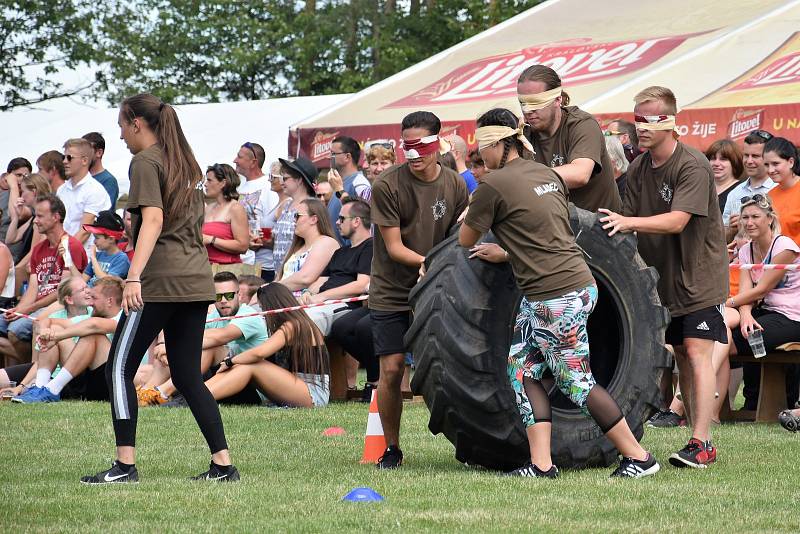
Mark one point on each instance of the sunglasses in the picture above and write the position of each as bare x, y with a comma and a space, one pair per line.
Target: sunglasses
762, 201
228, 296
70, 157
610, 133
387, 146
766, 136
298, 215
341, 218
276, 177
321, 195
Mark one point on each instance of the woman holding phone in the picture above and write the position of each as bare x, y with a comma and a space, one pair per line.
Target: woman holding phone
169, 284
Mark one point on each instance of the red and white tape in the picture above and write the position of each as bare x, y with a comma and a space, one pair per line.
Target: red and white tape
18, 314
765, 266
291, 308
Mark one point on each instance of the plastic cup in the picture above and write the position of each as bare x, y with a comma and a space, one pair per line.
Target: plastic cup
266, 234
253, 225
756, 340
6, 395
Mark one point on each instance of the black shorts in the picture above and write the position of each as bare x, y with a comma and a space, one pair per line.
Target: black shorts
17, 372
708, 323
388, 330
778, 329
90, 385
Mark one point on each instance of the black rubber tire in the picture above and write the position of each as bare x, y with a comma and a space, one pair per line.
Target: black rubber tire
464, 312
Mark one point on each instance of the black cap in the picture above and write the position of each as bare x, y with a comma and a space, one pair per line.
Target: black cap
108, 223
304, 167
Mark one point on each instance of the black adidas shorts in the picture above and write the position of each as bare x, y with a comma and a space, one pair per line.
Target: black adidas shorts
708, 323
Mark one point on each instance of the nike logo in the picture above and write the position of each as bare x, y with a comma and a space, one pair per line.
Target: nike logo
108, 478
209, 477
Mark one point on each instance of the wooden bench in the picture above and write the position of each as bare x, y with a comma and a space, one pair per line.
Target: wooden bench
772, 392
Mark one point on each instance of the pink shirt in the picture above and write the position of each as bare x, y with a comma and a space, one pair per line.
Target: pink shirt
784, 298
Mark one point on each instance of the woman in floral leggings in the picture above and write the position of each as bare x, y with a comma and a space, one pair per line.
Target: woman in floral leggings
524, 204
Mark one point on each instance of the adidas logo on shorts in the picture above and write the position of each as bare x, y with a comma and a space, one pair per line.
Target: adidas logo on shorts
702, 326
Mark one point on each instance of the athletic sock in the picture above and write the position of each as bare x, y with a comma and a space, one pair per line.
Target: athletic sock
57, 384
222, 468
42, 377
125, 467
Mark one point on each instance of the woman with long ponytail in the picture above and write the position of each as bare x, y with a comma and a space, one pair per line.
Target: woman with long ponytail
169, 284
525, 205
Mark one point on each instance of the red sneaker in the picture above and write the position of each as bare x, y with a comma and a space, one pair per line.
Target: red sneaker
695, 454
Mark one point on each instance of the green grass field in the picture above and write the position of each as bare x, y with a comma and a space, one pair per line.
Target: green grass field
293, 479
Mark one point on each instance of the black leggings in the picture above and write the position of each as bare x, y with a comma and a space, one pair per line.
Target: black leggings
183, 325
353, 331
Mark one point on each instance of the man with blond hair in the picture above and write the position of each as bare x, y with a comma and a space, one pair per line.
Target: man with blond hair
671, 202
82, 195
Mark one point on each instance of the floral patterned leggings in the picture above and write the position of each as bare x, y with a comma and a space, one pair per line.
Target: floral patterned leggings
551, 334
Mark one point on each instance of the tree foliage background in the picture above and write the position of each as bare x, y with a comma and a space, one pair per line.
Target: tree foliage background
210, 51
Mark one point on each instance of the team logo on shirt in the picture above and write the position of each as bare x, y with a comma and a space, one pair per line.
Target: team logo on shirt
666, 193
439, 209
557, 161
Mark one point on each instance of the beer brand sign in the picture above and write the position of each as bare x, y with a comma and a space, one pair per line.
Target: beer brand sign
745, 121
321, 145
576, 62
781, 71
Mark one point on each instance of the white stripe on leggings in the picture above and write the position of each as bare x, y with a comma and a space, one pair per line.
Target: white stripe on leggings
121, 354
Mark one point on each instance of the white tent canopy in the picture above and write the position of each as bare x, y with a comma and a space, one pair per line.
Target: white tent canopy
215, 131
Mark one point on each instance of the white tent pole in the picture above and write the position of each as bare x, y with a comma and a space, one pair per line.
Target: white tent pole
423, 64
639, 80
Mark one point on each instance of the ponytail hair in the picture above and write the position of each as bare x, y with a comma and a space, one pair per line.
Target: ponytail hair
181, 170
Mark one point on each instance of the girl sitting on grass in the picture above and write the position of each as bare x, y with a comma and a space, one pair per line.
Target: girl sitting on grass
290, 368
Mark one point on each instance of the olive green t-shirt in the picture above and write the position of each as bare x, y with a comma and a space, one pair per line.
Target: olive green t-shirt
178, 269
424, 212
579, 136
692, 265
525, 205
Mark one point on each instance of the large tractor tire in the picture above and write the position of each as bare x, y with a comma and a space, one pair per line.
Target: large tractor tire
464, 311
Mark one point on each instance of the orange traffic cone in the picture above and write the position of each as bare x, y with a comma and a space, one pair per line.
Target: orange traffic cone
374, 442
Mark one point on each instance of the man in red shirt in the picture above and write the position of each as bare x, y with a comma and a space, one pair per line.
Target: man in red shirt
49, 263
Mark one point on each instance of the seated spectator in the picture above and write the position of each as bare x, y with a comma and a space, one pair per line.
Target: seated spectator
17, 169
47, 266
23, 195
81, 348
616, 153
314, 244
248, 287
290, 369
99, 173
221, 338
783, 167
768, 300
459, 152
476, 165
83, 196
726, 161
347, 272
73, 303
225, 230
105, 257
7, 293
299, 178
51, 166
379, 157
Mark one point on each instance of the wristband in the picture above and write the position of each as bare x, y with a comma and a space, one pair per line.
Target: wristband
228, 362
213, 239
340, 192
133, 281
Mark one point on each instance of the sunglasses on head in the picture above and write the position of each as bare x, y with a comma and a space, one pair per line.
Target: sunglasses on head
218, 171
387, 146
228, 296
762, 201
251, 147
766, 136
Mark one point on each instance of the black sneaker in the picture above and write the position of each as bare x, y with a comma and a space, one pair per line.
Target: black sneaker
367, 395
668, 419
695, 454
530, 470
630, 468
216, 474
392, 458
176, 401
115, 475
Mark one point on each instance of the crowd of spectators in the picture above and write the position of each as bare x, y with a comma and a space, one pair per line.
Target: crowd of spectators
65, 249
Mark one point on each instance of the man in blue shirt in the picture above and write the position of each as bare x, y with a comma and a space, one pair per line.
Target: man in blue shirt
459, 150
105, 257
345, 178
99, 173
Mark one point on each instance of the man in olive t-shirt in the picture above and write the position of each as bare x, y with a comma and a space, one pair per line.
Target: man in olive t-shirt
414, 205
567, 139
671, 201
